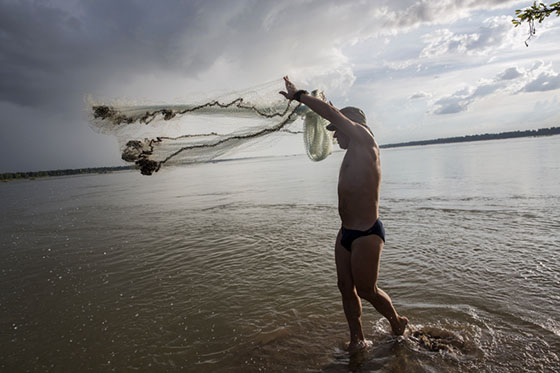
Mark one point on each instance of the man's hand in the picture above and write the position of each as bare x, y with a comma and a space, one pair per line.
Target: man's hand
290, 88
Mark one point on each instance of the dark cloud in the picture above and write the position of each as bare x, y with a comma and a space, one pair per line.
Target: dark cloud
48, 52
54, 52
51, 49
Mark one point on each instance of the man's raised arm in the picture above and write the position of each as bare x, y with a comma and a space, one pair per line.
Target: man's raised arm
324, 109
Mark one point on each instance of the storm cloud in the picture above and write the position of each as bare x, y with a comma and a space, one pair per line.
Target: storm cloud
55, 52
53, 49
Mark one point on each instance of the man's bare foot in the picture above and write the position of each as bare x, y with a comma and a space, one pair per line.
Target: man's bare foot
359, 346
399, 328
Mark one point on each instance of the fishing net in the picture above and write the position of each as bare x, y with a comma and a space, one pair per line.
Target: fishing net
152, 136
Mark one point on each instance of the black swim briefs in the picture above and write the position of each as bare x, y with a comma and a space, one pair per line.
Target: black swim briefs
349, 235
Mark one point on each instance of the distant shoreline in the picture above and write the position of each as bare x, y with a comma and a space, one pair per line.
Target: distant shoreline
447, 140
487, 136
66, 172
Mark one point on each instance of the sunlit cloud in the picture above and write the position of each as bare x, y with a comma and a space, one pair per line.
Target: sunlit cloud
496, 33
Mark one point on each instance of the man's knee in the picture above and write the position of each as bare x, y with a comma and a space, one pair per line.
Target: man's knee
367, 292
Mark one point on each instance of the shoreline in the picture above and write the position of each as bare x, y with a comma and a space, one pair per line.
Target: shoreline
541, 132
482, 137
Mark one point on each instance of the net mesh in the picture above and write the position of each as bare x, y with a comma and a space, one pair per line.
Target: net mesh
152, 136
317, 139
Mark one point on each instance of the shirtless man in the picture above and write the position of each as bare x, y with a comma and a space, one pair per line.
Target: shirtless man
362, 236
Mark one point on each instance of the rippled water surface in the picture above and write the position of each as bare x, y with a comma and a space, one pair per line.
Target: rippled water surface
230, 266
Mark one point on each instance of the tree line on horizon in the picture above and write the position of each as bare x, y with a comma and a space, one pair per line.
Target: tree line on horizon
487, 136
71, 171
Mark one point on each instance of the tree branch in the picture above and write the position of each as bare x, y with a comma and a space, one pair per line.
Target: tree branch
535, 13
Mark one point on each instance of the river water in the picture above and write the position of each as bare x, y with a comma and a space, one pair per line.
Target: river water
229, 266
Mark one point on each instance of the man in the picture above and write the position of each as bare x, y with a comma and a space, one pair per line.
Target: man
362, 236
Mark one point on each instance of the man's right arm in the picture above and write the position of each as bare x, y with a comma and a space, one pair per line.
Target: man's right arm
327, 111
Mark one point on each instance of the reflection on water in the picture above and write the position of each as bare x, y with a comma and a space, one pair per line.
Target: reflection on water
229, 266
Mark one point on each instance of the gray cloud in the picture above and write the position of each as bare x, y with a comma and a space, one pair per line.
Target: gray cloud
462, 99
451, 106
49, 53
419, 95
51, 49
509, 74
545, 81
407, 14
537, 78
455, 103
54, 52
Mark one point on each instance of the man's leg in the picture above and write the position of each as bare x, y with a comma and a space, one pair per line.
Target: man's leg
350, 300
366, 254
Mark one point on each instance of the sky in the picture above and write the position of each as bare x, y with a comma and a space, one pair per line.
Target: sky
419, 69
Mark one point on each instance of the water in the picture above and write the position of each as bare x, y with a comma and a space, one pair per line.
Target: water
230, 266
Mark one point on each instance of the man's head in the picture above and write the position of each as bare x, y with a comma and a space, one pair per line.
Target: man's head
355, 115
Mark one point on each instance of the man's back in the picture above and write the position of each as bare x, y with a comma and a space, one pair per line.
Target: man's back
358, 185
